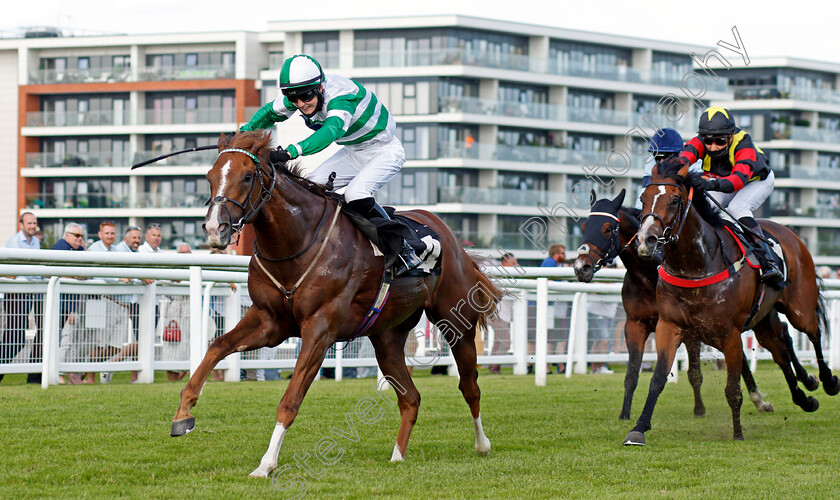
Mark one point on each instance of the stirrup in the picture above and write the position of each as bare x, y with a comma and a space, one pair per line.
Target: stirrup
771, 275
408, 259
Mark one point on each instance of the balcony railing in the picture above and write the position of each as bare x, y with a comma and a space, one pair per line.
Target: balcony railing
809, 172
179, 116
98, 75
172, 200
96, 200
774, 92
532, 110
499, 196
184, 72
532, 154
120, 160
514, 62
815, 135
77, 118
51, 160
187, 116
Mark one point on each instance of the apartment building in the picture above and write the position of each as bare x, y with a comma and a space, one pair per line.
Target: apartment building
507, 126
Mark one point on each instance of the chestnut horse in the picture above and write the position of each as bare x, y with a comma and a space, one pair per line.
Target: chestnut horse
610, 232
314, 276
729, 299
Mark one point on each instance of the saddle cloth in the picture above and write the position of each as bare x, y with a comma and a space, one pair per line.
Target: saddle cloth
387, 237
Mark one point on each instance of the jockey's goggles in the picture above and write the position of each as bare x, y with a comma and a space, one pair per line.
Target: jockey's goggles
719, 140
295, 95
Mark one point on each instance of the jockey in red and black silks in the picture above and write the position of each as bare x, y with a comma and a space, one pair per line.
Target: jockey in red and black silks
736, 174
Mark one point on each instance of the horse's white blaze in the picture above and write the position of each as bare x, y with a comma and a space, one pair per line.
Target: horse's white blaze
224, 180
646, 225
269, 460
397, 456
482, 444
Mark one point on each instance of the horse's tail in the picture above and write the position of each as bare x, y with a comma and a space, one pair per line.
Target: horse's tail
488, 295
822, 308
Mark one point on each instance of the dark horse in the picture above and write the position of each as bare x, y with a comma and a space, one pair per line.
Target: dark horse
729, 299
610, 232
314, 276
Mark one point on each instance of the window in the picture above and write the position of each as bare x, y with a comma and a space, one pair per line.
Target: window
191, 60
83, 63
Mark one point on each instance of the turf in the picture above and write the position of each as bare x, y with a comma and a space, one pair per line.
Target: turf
562, 440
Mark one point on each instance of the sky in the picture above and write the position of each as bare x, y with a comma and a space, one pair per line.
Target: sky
806, 29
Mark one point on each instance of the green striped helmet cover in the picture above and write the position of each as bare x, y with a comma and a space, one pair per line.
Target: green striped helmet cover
300, 71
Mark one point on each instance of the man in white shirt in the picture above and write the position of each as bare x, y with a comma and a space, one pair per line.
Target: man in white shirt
18, 305
107, 235
153, 239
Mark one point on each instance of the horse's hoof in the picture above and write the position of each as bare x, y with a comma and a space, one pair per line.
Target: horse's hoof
181, 427
635, 438
738, 438
766, 408
811, 383
624, 417
832, 387
700, 413
261, 471
811, 404
483, 447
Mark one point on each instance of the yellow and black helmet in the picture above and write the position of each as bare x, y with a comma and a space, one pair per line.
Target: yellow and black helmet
716, 121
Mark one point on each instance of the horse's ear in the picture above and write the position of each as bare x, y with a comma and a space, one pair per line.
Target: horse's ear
224, 140
592, 197
619, 200
683, 172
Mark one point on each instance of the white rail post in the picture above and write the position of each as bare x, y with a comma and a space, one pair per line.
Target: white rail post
578, 335
339, 361
834, 327
146, 334
197, 349
233, 313
541, 341
519, 331
50, 334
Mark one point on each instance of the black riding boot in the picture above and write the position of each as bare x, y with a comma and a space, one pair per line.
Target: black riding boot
770, 272
368, 207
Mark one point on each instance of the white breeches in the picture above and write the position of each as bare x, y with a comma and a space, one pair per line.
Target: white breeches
742, 203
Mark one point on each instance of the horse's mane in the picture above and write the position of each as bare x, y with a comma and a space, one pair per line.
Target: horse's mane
700, 202
632, 212
250, 141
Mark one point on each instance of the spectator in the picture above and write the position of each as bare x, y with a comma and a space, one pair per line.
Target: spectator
217, 313
153, 239
501, 322
601, 317
119, 311
73, 240
107, 236
19, 305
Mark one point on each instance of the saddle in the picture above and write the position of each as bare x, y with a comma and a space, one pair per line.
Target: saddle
746, 245
387, 236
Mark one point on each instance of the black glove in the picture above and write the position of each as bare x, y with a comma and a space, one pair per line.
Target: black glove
279, 155
674, 163
700, 183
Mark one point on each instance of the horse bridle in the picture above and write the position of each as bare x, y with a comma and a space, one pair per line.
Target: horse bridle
671, 233
608, 256
248, 214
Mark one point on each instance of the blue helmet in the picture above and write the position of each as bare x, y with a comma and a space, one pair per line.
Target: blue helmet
666, 140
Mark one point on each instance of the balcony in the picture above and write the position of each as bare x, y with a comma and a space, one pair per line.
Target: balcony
77, 118
489, 107
119, 160
180, 116
116, 200
172, 200
815, 135
96, 200
99, 75
773, 92
810, 173
499, 196
206, 72
515, 62
529, 154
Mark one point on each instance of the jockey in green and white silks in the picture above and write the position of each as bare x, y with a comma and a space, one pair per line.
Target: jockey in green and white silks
343, 111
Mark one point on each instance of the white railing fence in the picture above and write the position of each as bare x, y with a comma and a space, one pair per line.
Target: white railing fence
120, 323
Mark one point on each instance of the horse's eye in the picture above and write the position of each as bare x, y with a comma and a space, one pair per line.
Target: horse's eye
674, 201
248, 177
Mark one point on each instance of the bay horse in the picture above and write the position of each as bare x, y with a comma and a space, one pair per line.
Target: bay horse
609, 232
314, 276
715, 296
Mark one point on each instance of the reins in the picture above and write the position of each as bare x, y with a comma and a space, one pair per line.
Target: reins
669, 232
265, 192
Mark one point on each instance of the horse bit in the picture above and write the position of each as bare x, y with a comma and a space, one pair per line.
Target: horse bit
606, 258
